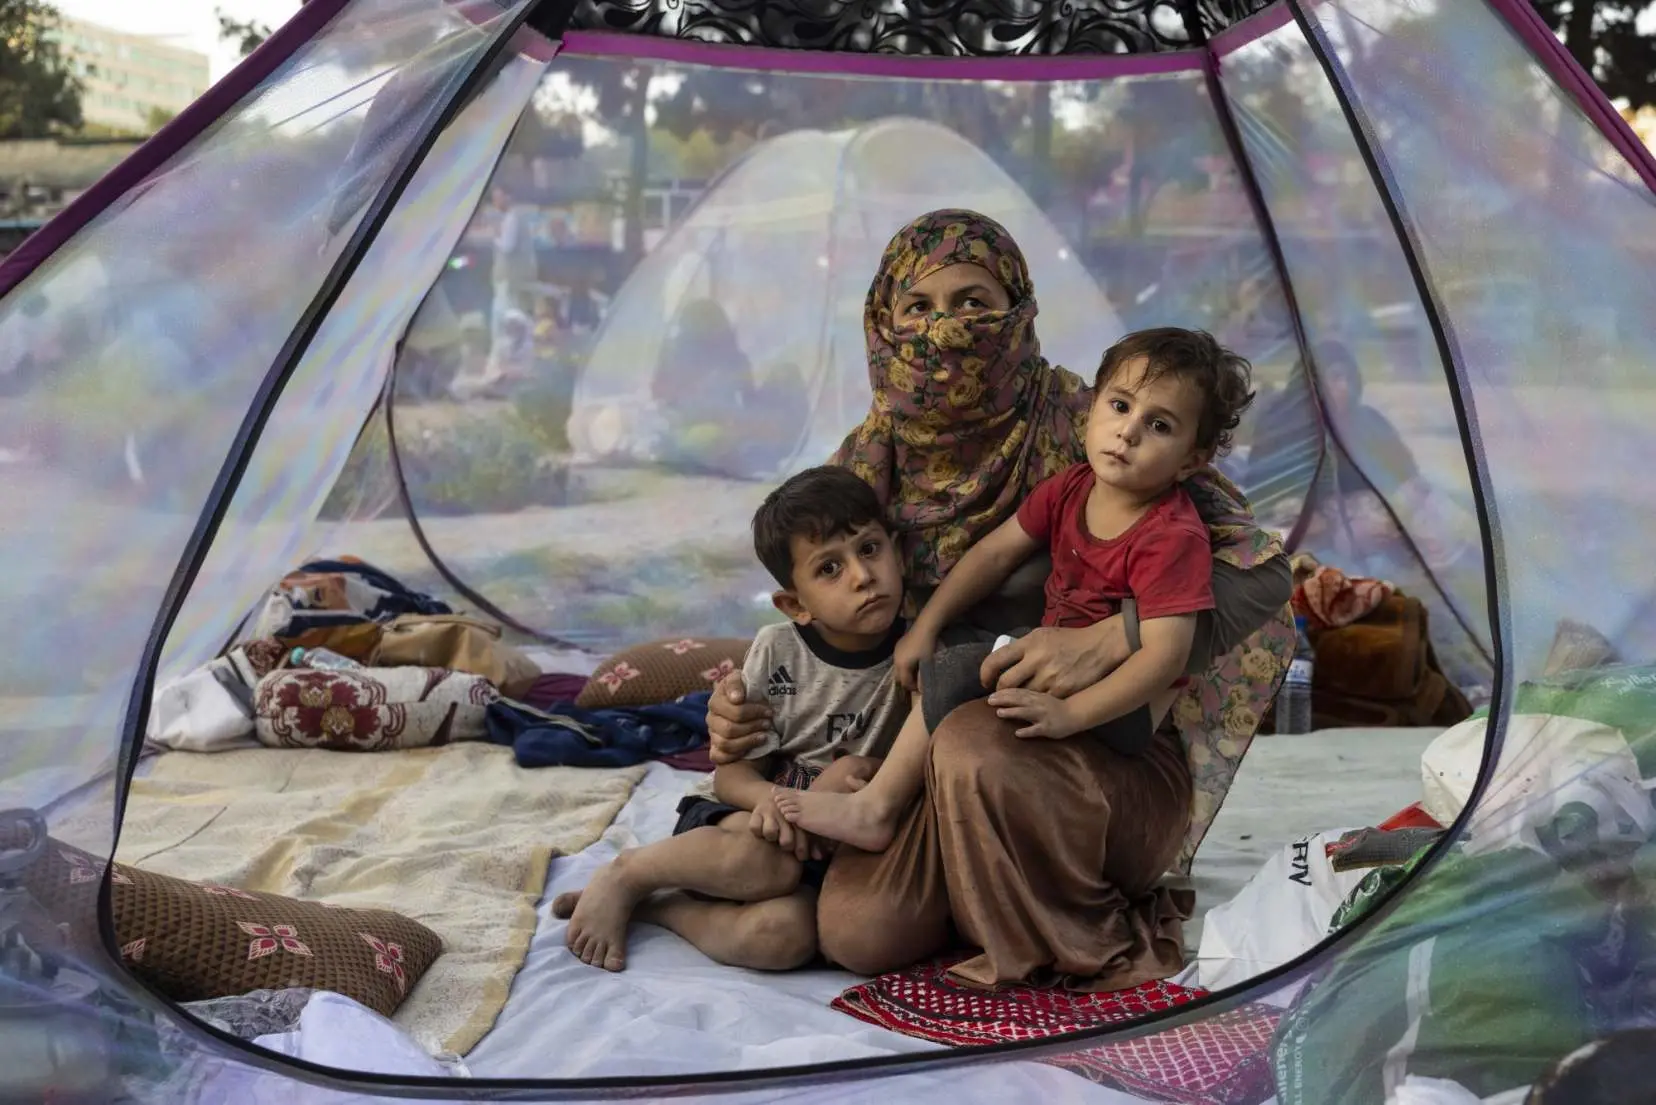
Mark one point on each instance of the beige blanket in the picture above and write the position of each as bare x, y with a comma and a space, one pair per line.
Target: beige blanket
458, 838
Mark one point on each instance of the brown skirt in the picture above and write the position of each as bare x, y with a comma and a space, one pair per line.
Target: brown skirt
1044, 854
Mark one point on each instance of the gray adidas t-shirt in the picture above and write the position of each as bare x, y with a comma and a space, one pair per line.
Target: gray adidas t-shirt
825, 703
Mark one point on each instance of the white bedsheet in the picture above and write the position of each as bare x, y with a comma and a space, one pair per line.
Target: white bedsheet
673, 1011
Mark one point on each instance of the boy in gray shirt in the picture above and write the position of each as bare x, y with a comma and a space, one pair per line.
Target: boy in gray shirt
748, 877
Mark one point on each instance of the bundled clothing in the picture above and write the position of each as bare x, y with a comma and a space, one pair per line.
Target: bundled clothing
564, 735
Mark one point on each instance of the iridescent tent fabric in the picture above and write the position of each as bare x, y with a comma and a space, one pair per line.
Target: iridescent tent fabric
1420, 220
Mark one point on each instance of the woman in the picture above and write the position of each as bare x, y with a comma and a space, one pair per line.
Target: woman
1045, 855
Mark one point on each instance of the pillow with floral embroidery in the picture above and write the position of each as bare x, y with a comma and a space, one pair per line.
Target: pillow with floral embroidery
661, 671
369, 709
195, 941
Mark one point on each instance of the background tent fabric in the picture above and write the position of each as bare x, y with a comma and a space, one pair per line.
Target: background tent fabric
1431, 187
800, 219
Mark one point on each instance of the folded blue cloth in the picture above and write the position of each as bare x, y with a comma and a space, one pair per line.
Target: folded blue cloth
564, 735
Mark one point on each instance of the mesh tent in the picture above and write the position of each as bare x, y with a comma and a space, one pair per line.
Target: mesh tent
799, 215
205, 368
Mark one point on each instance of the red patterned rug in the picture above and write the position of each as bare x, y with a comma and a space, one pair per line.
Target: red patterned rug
1221, 1060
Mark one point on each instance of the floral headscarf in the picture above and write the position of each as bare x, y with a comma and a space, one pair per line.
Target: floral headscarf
968, 416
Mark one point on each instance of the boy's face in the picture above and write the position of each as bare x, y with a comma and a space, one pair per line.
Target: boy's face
1141, 437
848, 586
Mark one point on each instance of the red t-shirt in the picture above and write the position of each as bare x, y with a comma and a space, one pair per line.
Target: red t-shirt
1164, 560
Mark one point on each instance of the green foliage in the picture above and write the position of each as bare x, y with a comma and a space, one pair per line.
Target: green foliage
480, 463
1605, 38
39, 96
247, 34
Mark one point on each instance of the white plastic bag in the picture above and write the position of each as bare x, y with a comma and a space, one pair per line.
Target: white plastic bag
199, 712
1547, 763
1283, 911
1416, 1090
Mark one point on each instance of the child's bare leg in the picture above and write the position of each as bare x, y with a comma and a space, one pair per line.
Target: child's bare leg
724, 860
777, 934
868, 818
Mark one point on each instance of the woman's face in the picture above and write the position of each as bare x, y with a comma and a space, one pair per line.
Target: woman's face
957, 290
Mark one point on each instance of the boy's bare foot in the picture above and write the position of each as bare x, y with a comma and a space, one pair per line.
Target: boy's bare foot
852, 819
598, 916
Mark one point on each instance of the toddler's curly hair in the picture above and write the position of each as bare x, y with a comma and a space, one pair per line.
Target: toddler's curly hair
1223, 377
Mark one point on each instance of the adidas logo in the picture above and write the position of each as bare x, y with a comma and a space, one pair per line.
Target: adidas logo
781, 682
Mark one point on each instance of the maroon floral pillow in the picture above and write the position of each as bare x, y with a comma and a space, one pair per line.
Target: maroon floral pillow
371, 709
660, 671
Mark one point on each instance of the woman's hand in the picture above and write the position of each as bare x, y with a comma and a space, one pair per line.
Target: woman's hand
916, 646
1042, 714
735, 726
1057, 662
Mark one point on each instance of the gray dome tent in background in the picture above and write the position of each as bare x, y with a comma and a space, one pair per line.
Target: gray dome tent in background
1422, 223
804, 215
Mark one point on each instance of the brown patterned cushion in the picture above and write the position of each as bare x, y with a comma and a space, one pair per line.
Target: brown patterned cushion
369, 709
660, 671
194, 941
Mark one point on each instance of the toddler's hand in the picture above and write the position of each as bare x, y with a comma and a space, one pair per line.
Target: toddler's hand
1048, 717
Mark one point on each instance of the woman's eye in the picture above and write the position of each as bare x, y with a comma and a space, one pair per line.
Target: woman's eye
918, 307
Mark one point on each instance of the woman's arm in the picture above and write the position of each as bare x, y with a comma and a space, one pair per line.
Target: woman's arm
1251, 577
1058, 661
985, 567
735, 726
1243, 601
1146, 674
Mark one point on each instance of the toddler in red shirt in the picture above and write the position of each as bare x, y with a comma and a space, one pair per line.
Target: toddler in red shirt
1118, 526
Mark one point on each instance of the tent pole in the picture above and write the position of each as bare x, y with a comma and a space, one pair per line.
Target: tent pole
444, 109
1466, 417
1279, 261
1330, 433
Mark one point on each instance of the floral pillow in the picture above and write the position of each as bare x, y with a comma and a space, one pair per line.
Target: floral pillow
370, 709
661, 671
194, 941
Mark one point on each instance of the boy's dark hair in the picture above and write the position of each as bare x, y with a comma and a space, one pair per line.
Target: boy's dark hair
817, 504
1193, 355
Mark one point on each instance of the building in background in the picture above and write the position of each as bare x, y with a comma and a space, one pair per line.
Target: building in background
130, 83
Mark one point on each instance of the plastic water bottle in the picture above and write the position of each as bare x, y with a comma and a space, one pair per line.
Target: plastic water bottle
322, 659
1293, 702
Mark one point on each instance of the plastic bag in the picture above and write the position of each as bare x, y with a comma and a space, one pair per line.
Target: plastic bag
1551, 767
1283, 911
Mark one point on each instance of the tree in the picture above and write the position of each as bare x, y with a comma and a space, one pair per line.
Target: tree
38, 94
1604, 38
159, 117
247, 34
